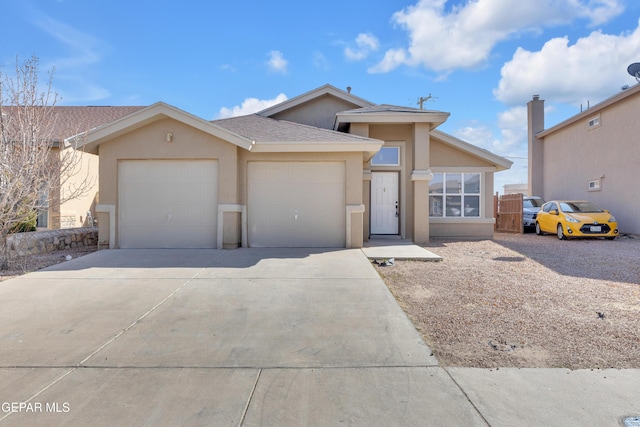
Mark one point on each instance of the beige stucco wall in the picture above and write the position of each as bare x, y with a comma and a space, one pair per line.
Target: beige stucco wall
78, 186
421, 163
535, 161
73, 213
575, 154
150, 142
445, 155
462, 230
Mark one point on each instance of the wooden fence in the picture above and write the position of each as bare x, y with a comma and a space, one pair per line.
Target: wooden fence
508, 211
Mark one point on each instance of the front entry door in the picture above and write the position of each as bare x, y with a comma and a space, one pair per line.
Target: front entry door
385, 212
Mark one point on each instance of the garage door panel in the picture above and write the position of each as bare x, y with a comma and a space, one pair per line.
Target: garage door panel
167, 203
298, 204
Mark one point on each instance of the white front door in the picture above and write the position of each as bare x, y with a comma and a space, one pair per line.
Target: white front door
384, 203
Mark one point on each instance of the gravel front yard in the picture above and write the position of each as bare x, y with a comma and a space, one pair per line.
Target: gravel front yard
29, 263
526, 301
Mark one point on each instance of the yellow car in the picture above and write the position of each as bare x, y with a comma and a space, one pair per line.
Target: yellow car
575, 219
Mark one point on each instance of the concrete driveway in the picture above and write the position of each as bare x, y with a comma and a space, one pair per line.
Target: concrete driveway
208, 337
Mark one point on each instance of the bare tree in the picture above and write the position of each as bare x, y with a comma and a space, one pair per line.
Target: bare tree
34, 166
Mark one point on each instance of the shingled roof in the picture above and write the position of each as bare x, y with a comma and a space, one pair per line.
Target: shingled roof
263, 129
69, 121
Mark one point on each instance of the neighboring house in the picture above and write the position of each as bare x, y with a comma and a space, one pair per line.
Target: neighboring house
72, 121
591, 156
324, 169
515, 189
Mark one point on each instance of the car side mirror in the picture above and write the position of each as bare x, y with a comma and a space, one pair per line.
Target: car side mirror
553, 212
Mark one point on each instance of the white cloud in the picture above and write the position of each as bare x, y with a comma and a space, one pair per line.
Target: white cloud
512, 124
83, 53
320, 61
83, 48
600, 11
366, 43
513, 130
276, 62
250, 106
511, 144
391, 60
228, 67
592, 69
480, 136
465, 35
81, 91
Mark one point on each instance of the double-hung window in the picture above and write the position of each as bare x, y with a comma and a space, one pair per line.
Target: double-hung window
454, 195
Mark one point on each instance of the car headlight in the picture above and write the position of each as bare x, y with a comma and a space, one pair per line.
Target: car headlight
569, 218
612, 218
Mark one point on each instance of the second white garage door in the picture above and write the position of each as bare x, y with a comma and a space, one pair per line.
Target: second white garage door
167, 203
296, 204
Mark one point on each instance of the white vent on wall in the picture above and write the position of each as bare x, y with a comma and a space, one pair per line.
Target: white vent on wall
594, 185
594, 122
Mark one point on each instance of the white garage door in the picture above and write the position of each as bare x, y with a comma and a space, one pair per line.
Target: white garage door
167, 203
296, 204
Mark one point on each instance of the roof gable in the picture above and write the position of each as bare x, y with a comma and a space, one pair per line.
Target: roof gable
499, 162
93, 138
312, 95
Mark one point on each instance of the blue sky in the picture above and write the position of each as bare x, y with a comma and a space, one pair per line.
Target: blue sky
481, 60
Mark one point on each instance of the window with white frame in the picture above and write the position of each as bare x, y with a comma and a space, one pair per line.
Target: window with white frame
387, 156
454, 195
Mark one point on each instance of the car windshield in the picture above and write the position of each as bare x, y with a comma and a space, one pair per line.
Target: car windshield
532, 203
579, 207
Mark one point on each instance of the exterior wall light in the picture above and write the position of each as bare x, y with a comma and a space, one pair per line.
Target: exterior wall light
169, 137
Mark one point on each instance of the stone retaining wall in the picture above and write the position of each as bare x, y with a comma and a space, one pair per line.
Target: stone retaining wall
38, 242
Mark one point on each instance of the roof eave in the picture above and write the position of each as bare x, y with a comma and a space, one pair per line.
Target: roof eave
591, 111
434, 118
499, 162
371, 145
153, 113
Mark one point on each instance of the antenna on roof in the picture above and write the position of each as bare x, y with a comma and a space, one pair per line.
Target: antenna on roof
634, 70
424, 99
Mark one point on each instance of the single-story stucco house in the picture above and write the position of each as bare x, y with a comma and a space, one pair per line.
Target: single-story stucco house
324, 169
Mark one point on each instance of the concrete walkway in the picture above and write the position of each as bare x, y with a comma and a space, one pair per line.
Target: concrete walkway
255, 337
384, 248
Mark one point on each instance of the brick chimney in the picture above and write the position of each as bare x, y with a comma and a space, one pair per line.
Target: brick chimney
535, 124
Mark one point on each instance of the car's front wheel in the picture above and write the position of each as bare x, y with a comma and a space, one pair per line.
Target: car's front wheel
610, 237
538, 229
561, 235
